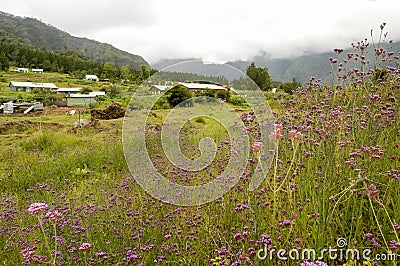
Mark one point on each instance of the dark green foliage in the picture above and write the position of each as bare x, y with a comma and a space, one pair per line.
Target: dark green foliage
86, 90
237, 100
223, 94
289, 87
208, 93
200, 120
20, 54
178, 94
260, 76
162, 103
114, 91
4, 64
379, 74
109, 71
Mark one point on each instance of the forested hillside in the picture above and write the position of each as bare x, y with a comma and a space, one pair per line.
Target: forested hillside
41, 35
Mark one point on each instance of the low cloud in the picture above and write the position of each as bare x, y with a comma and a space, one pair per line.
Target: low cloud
216, 30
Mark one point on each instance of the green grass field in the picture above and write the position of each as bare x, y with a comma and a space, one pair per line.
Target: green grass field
335, 176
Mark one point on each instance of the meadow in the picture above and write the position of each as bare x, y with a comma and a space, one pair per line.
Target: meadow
68, 197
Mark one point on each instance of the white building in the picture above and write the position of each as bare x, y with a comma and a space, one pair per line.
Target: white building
37, 70
158, 89
92, 77
80, 99
22, 69
30, 86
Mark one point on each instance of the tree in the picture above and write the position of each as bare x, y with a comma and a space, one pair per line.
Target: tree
289, 87
178, 94
4, 64
110, 70
125, 72
146, 72
114, 91
223, 94
208, 93
260, 76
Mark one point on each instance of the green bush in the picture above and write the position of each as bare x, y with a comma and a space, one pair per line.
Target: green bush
236, 100
223, 94
162, 103
200, 120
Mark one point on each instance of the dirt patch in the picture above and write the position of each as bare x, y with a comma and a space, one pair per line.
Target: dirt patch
49, 110
22, 126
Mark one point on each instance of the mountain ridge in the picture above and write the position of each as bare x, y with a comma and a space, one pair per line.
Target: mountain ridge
42, 35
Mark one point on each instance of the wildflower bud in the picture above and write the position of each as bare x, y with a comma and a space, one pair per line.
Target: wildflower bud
257, 146
85, 246
37, 208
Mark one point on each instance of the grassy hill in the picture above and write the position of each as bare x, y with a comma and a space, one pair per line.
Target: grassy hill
41, 35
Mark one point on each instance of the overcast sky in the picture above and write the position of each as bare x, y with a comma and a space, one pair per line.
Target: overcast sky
216, 30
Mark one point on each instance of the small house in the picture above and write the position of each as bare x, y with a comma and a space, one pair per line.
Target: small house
80, 99
158, 89
92, 77
37, 70
22, 69
31, 86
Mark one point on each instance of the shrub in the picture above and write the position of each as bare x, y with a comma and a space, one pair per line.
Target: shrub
200, 120
223, 94
237, 100
162, 103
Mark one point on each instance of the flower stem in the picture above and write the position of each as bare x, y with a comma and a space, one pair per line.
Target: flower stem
44, 236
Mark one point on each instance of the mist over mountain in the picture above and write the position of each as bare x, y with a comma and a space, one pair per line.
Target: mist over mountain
42, 35
301, 68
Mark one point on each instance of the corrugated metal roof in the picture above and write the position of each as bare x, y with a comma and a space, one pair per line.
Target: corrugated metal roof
81, 96
33, 85
161, 87
199, 86
69, 89
97, 93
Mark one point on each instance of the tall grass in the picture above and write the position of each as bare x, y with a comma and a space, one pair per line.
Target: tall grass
338, 179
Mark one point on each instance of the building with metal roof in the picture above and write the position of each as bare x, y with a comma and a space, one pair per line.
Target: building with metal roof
30, 86
70, 90
158, 89
201, 86
80, 99
92, 77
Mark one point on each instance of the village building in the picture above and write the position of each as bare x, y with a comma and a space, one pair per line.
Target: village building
92, 77
158, 89
81, 99
31, 86
37, 70
198, 87
22, 69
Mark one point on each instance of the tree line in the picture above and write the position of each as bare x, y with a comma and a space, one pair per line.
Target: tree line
66, 61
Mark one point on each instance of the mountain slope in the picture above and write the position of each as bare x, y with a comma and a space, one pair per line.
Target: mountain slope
42, 35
